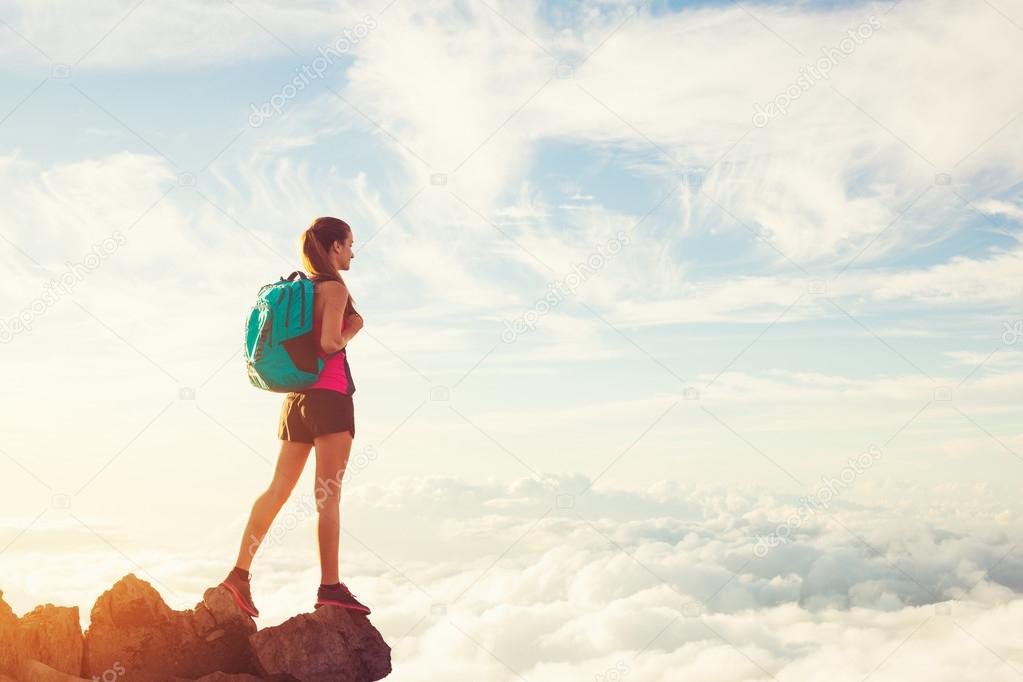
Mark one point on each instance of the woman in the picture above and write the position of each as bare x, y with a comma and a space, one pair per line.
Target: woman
320, 416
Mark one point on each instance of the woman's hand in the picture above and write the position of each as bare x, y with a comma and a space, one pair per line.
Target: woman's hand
353, 323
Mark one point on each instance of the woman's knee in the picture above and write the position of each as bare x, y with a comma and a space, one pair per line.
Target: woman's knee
328, 505
277, 494
328, 492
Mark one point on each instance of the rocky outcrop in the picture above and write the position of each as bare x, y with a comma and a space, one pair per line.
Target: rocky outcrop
52, 635
44, 644
349, 651
40, 672
132, 627
8, 638
134, 635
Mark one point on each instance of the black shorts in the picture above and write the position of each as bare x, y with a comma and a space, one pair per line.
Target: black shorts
315, 412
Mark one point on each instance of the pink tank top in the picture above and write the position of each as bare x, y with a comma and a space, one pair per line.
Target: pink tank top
336, 374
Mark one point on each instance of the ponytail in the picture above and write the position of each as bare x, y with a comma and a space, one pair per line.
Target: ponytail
315, 242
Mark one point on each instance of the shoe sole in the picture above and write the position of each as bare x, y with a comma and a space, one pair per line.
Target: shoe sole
238, 600
325, 602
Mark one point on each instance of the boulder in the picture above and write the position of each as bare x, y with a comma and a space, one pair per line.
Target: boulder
52, 635
132, 627
35, 671
348, 648
8, 639
235, 677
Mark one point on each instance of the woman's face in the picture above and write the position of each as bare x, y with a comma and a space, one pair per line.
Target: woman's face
343, 252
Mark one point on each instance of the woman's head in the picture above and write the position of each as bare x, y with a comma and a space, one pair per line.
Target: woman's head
327, 247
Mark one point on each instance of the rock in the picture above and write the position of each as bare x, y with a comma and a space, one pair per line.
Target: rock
8, 639
133, 627
44, 644
133, 635
348, 648
35, 671
52, 635
240, 677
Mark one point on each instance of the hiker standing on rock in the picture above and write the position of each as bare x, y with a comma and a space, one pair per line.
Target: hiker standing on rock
321, 415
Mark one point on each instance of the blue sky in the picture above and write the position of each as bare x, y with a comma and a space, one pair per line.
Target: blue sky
790, 294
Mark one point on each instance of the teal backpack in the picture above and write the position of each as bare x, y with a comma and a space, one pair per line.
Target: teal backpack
280, 351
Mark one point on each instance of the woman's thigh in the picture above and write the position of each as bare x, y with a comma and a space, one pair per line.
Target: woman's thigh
290, 463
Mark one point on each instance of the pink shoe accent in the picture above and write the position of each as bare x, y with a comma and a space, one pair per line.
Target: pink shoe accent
322, 602
238, 600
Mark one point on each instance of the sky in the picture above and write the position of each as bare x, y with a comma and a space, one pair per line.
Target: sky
692, 333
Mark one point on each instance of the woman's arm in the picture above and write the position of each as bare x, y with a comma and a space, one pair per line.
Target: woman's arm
353, 322
335, 300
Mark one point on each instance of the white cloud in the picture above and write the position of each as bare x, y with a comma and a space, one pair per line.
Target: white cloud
820, 197
960, 281
115, 36
582, 594
995, 207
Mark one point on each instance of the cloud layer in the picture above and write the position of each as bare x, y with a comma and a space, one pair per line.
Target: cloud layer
483, 579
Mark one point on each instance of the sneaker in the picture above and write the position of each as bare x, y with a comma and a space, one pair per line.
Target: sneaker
239, 589
339, 596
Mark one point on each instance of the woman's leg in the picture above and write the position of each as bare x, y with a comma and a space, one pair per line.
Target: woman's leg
290, 463
332, 452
